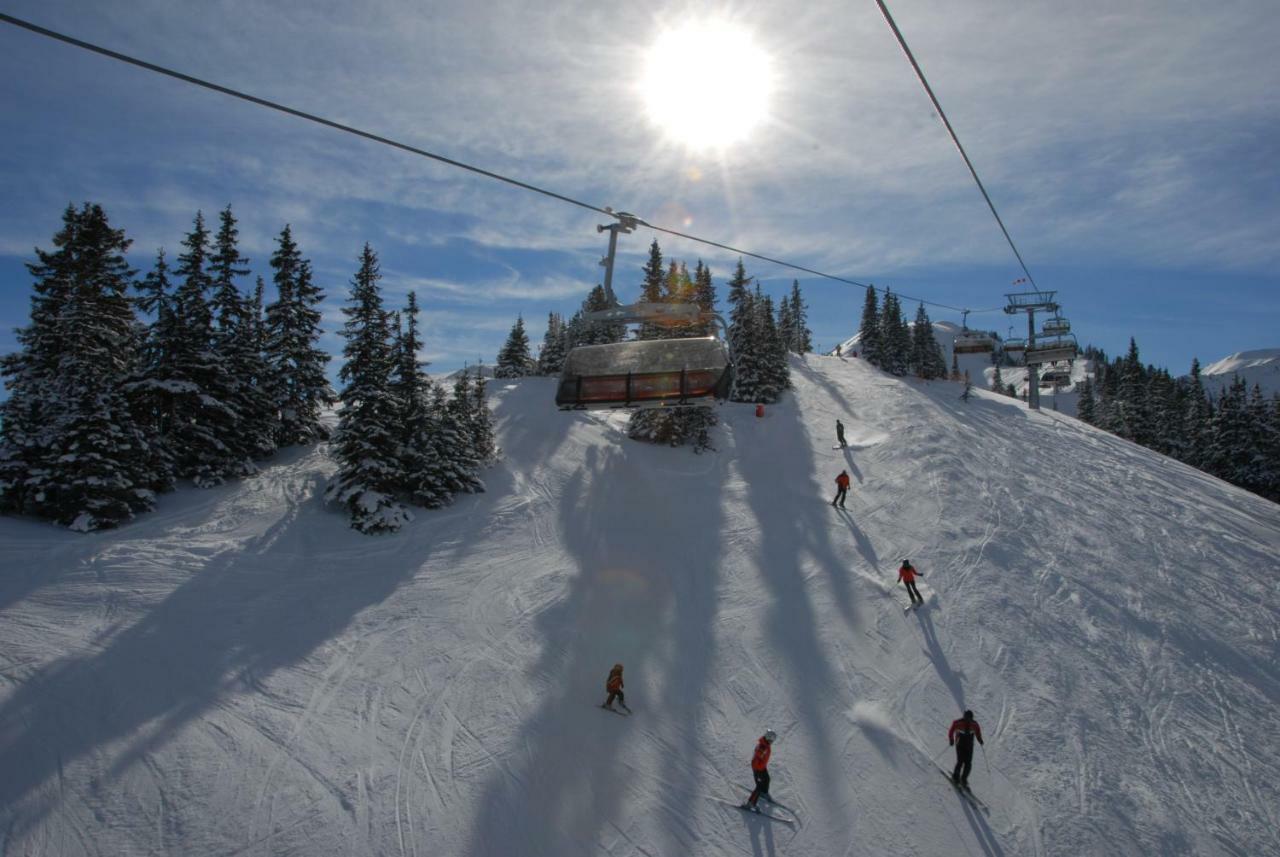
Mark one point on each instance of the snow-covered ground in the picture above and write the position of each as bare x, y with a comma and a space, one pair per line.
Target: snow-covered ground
239, 673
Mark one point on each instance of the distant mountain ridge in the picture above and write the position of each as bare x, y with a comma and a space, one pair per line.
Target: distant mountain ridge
1261, 367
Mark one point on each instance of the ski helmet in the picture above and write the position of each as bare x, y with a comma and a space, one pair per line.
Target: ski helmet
968, 715
769, 735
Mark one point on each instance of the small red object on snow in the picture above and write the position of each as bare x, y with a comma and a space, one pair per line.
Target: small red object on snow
760, 410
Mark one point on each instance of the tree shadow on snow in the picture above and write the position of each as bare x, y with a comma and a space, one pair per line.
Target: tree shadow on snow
244, 612
645, 544
794, 526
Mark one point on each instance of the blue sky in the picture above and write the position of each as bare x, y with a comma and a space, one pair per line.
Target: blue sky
1133, 151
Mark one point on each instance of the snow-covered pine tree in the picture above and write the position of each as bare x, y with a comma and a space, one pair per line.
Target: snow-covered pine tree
997, 382
1228, 453
1262, 469
202, 431
514, 359
1133, 409
551, 354
148, 387
1195, 420
869, 345
461, 459
236, 342
744, 338
704, 295
1084, 401
775, 374
417, 422
926, 355
366, 445
483, 440
801, 341
786, 326
895, 336
651, 289
299, 386
79, 456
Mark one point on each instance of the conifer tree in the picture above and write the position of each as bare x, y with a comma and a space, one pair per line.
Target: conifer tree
1195, 420
1084, 401
869, 331
704, 295
483, 440
237, 341
423, 480
801, 341
1228, 453
514, 359
366, 445
926, 356
997, 382
895, 337
299, 387
651, 289
70, 449
551, 354
202, 432
786, 325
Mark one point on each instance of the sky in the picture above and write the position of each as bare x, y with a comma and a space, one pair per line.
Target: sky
1132, 153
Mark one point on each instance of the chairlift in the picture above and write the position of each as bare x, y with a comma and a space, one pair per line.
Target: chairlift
1055, 376
1015, 346
973, 341
654, 373
1056, 325
1051, 349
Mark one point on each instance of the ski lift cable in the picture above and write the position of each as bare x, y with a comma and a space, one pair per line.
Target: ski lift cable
954, 137
386, 141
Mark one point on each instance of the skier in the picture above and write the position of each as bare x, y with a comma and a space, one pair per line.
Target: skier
614, 685
842, 488
840, 434
837, 349
907, 575
760, 770
963, 731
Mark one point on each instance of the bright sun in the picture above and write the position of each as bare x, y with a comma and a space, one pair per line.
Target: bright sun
707, 84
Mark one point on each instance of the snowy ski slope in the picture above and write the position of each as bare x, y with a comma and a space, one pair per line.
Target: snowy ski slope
239, 673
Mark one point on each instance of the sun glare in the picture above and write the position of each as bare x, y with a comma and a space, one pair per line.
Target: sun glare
707, 84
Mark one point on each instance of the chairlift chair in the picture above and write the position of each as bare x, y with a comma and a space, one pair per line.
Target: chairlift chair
974, 342
1015, 346
1056, 325
654, 373
1051, 349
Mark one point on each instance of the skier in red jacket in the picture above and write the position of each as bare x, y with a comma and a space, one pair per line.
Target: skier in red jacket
907, 575
842, 488
614, 686
760, 770
961, 736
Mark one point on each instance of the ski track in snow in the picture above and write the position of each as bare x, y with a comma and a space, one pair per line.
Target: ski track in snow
239, 673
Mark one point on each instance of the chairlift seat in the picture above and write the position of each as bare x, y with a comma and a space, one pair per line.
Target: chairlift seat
657, 373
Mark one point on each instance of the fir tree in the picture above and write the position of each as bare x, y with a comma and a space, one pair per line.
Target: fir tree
800, 338
365, 444
651, 289
551, 354
1195, 420
69, 446
514, 359
704, 295
1084, 402
869, 330
997, 382
926, 356
418, 422
299, 387
895, 337
483, 440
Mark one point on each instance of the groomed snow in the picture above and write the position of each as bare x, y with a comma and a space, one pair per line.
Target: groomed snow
240, 673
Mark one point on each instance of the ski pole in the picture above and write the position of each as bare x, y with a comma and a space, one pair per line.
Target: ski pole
984, 759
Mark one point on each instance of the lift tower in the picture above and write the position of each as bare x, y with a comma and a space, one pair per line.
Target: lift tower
1029, 302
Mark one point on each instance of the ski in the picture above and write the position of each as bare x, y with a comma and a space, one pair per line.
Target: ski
773, 802
759, 812
964, 790
626, 713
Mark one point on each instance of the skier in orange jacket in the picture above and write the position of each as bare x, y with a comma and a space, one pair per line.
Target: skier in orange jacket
760, 770
614, 686
842, 488
907, 575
